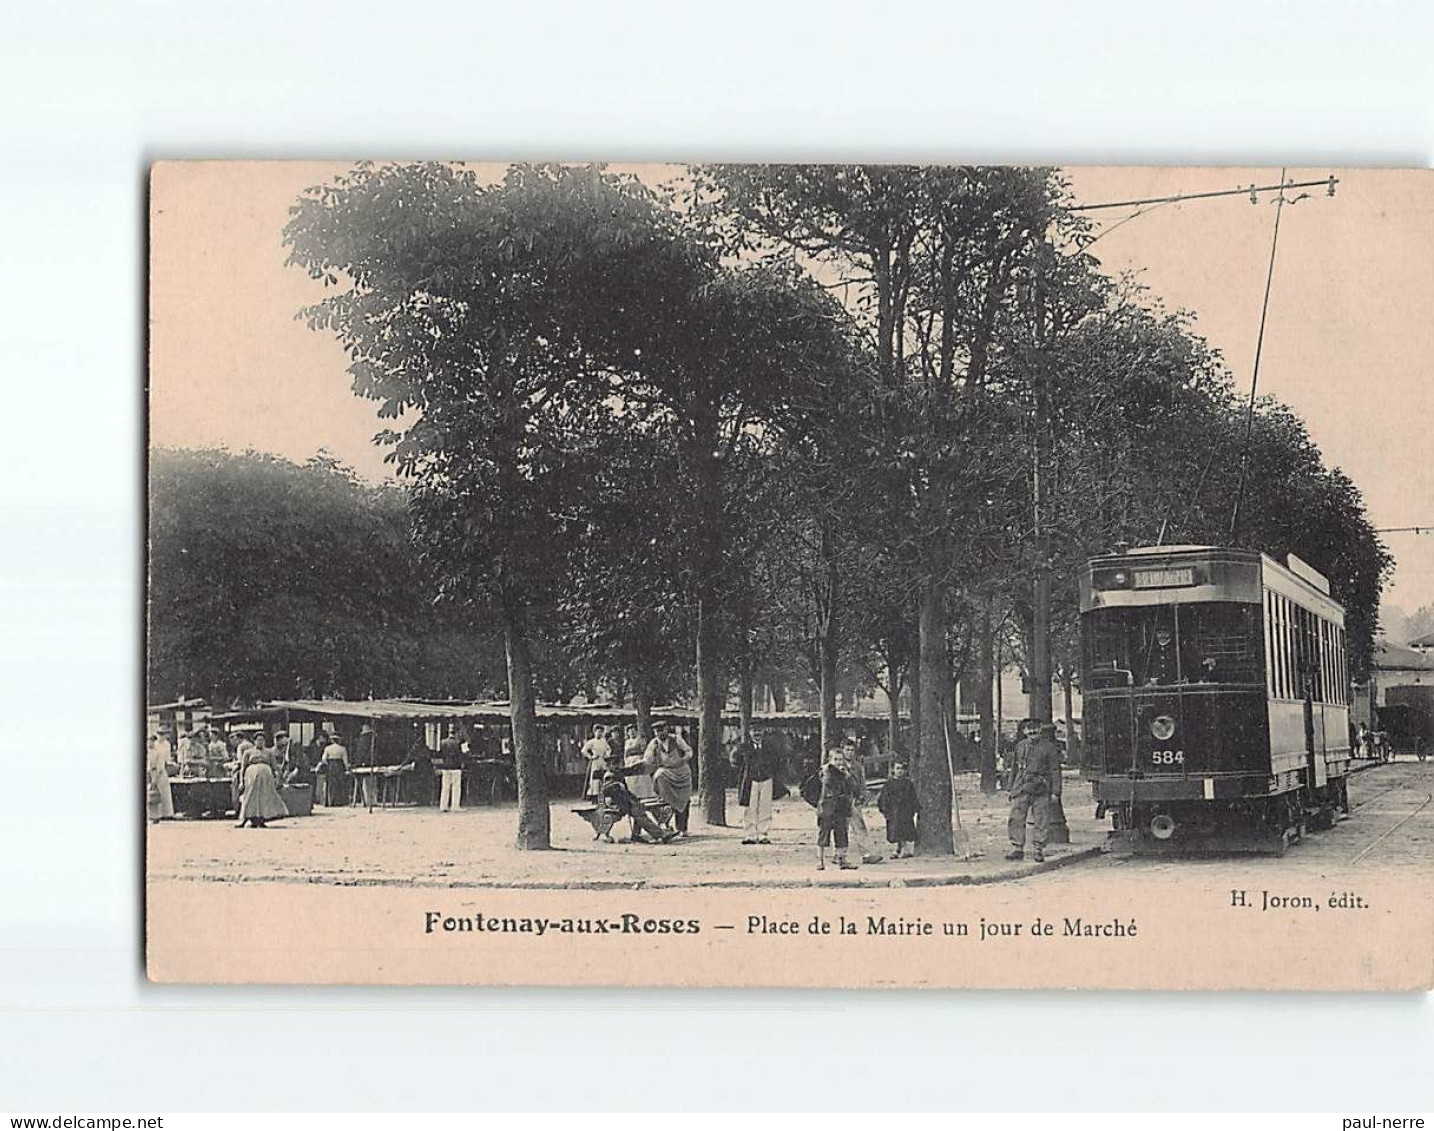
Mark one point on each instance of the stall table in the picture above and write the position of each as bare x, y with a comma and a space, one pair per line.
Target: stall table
201, 797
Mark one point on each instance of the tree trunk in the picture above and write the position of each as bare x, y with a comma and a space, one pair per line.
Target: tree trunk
933, 777
711, 690
827, 640
779, 694
998, 669
830, 733
893, 706
711, 698
745, 695
914, 681
642, 706
985, 676
533, 815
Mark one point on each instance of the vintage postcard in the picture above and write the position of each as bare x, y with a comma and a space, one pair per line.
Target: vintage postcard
790, 575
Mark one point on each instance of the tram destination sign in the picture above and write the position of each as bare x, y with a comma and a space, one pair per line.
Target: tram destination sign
1164, 578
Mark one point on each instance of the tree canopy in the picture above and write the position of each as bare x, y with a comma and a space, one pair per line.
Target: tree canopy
813, 424
270, 579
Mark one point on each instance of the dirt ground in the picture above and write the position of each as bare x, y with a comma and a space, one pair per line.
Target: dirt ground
351, 896
474, 848
408, 846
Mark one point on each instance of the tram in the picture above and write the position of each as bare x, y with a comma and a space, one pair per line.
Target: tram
1216, 697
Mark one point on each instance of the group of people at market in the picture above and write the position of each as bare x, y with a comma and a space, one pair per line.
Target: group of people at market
650, 784
255, 764
630, 779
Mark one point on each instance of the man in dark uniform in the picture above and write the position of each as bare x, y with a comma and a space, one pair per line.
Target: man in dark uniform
757, 766
622, 801
1035, 766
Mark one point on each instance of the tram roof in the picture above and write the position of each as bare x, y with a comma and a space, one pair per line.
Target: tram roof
1297, 580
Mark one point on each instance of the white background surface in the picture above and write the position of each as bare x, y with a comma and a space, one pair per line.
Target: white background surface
89, 93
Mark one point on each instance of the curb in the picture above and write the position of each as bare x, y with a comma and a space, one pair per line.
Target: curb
1005, 875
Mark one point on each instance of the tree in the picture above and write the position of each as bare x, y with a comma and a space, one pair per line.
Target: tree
270, 580
625, 607
488, 318
722, 380
932, 254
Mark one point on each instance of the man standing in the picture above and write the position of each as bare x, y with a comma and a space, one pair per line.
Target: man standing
298, 770
756, 791
671, 758
634, 766
833, 812
450, 763
1035, 766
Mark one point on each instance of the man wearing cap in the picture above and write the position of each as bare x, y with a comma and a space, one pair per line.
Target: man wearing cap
1035, 767
671, 759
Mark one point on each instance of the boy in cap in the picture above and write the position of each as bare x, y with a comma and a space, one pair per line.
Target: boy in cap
833, 813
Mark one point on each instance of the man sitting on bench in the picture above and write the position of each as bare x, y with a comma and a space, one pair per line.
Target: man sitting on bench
620, 799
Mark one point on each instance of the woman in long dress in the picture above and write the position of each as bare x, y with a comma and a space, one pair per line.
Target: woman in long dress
160, 797
260, 801
597, 751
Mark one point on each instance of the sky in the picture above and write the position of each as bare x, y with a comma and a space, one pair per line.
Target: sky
1348, 340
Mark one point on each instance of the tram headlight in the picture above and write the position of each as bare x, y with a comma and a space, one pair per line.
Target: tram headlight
1162, 727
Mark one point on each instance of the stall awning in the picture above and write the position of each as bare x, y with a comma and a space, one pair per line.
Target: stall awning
496, 711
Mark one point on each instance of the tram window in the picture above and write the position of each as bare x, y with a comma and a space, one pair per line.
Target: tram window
1317, 657
1324, 680
1277, 643
1316, 660
1343, 668
1297, 667
1337, 646
1278, 628
1334, 684
1269, 644
1217, 643
1283, 610
1162, 653
1304, 667
1282, 686
1302, 651
1162, 645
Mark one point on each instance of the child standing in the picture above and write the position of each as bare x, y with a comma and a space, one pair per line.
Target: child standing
898, 804
833, 813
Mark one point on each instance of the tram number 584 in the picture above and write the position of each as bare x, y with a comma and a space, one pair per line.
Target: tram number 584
1168, 757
